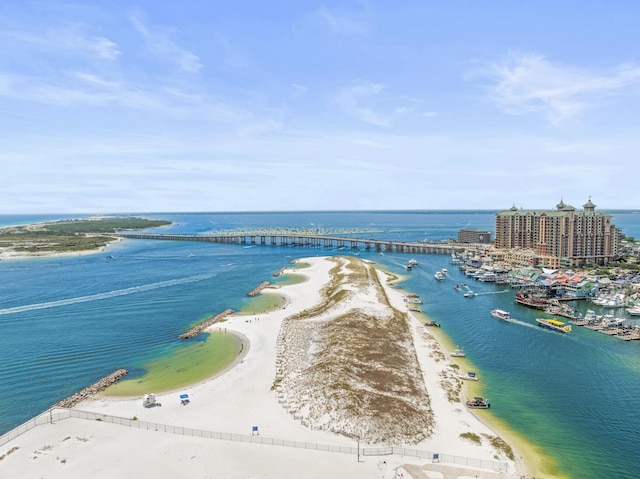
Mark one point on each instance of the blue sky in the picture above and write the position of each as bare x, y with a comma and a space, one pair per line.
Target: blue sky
114, 106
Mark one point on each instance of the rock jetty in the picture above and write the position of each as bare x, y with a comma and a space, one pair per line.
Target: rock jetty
280, 271
92, 390
259, 288
193, 332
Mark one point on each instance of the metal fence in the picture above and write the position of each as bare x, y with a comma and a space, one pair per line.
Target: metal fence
52, 416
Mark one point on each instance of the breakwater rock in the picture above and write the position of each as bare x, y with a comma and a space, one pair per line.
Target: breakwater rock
92, 390
279, 272
259, 288
193, 332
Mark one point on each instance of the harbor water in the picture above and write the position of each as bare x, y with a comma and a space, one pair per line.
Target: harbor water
65, 322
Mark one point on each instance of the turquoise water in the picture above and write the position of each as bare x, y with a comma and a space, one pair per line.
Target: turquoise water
66, 322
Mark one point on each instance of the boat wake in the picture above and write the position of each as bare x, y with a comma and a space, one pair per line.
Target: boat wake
491, 292
521, 323
106, 295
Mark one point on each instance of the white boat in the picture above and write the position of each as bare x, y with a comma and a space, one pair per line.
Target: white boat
444, 271
500, 314
609, 320
458, 353
634, 310
470, 376
439, 276
488, 277
469, 294
413, 262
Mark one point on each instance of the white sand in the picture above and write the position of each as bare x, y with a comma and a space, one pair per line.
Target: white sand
235, 402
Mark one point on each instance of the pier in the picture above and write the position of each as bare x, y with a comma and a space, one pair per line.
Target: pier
310, 241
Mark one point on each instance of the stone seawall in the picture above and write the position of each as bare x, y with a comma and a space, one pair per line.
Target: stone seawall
259, 288
279, 272
193, 332
92, 390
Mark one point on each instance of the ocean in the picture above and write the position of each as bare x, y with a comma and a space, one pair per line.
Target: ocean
66, 322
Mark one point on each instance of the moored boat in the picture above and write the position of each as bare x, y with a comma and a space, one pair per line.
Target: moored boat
478, 403
531, 301
500, 314
470, 376
458, 353
554, 325
634, 310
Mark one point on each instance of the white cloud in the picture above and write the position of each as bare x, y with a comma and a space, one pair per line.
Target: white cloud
529, 83
357, 101
350, 100
66, 38
341, 22
162, 46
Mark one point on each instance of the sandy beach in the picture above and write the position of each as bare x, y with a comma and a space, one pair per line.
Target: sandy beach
264, 432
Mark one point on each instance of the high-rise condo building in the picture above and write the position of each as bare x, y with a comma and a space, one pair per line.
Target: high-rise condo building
562, 237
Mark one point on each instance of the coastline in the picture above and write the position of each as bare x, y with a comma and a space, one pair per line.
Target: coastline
223, 404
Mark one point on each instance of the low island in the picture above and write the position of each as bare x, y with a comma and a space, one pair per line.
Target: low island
67, 237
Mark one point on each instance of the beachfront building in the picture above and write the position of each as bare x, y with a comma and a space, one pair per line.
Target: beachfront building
474, 235
564, 237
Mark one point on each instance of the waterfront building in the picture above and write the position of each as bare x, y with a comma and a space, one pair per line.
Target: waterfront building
564, 237
474, 235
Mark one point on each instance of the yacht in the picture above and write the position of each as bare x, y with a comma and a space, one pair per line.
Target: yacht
500, 314
469, 294
634, 310
439, 276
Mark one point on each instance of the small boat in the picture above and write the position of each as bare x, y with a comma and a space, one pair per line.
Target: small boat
408, 267
469, 294
554, 325
500, 314
634, 310
439, 276
444, 271
456, 287
432, 323
471, 376
478, 403
458, 353
413, 262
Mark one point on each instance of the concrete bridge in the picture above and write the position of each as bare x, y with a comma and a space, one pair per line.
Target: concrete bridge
312, 241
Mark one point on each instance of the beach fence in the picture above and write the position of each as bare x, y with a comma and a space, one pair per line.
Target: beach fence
55, 415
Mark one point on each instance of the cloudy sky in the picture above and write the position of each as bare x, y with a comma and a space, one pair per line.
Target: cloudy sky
199, 105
